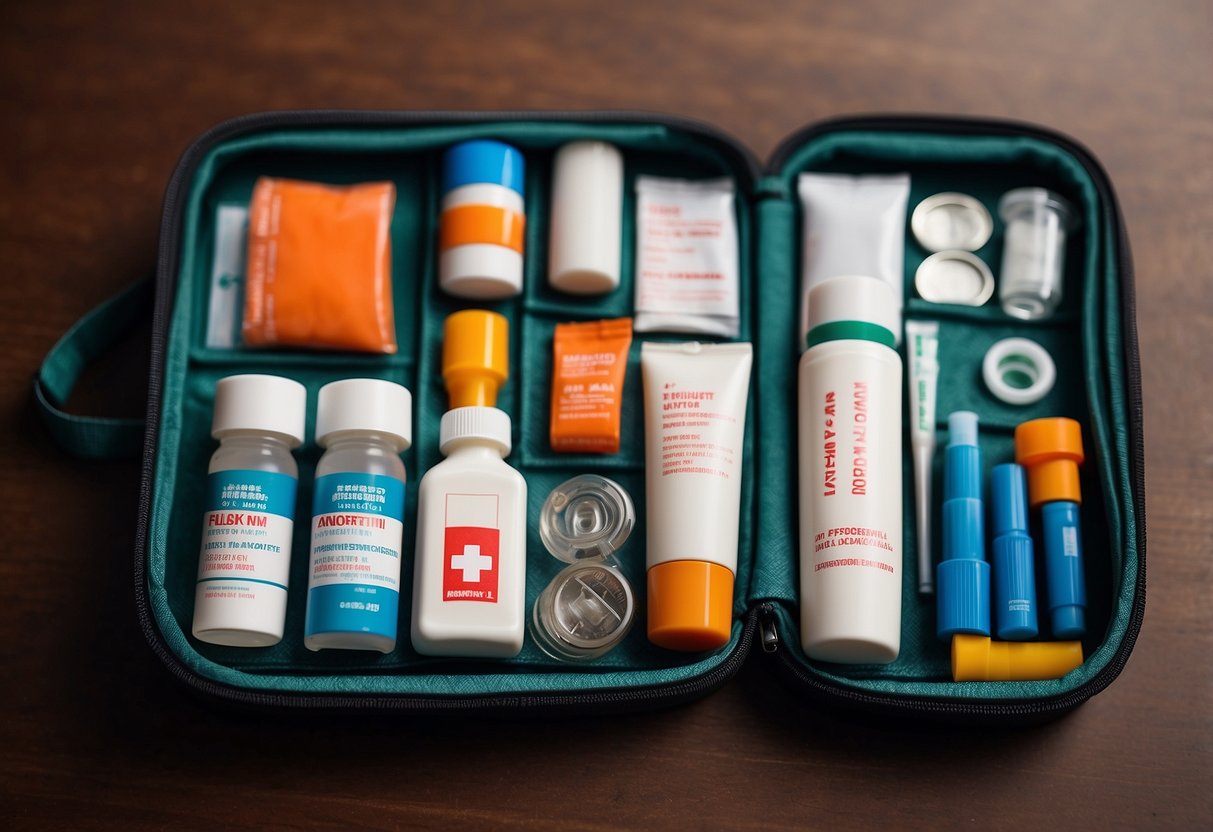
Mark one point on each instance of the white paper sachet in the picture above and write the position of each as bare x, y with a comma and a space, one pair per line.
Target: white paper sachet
686, 257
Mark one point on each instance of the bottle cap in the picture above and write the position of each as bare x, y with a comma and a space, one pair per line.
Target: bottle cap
853, 307
487, 424
1051, 450
962, 597
370, 405
475, 357
978, 659
585, 611
951, 220
962, 428
690, 605
954, 277
263, 403
483, 161
586, 517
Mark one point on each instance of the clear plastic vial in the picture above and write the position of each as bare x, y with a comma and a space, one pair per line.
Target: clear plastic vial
1034, 252
589, 607
353, 598
244, 565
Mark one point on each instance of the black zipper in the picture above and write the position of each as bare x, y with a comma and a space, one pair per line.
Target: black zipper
648, 696
1035, 708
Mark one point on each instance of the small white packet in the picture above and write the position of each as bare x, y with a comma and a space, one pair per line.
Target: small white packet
853, 225
226, 313
686, 257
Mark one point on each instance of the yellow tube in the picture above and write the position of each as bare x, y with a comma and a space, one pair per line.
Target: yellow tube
979, 659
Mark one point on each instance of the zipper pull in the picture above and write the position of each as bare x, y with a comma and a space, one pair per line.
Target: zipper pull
770, 636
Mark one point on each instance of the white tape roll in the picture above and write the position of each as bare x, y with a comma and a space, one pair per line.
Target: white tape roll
1018, 371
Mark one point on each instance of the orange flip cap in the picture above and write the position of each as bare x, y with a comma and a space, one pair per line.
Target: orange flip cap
475, 357
690, 605
1051, 451
481, 224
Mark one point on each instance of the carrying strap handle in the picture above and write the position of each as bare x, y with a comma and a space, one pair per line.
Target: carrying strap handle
91, 437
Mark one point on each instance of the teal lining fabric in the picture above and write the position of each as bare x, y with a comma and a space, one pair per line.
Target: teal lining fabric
410, 158
1090, 388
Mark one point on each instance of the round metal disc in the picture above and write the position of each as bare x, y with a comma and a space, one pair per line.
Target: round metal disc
950, 221
954, 277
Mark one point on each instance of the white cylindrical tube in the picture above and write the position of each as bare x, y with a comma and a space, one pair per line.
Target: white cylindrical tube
587, 218
694, 406
922, 350
850, 474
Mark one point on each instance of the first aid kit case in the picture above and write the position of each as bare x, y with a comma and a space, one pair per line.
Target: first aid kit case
1092, 338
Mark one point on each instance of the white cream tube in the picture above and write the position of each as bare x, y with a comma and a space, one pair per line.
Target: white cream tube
852, 225
922, 354
695, 399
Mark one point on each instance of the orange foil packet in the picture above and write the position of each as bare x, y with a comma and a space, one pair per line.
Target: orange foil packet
587, 385
320, 266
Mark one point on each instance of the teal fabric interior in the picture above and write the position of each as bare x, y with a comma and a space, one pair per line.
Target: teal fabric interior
1090, 388
410, 157
1082, 338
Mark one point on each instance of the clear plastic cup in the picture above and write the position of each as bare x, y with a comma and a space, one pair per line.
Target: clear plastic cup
1034, 251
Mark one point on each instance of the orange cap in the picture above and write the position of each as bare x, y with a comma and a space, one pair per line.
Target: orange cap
690, 605
475, 357
978, 659
1051, 450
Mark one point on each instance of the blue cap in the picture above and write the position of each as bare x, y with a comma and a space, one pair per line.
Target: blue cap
962, 588
1013, 555
483, 162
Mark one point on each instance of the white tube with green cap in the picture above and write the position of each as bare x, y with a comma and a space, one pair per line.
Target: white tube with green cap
850, 474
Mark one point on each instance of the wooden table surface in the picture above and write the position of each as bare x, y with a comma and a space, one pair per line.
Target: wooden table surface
99, 99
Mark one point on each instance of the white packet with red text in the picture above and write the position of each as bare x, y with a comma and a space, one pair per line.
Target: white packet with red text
687, 276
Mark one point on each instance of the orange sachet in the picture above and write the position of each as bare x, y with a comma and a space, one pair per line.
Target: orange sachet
320, 266
587, 385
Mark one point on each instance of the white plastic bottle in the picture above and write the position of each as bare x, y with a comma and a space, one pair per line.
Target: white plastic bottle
244, 566
850, 474
585, 240
469, 582
353, 595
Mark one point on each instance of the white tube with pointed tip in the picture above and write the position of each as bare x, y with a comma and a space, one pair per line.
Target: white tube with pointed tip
922, 354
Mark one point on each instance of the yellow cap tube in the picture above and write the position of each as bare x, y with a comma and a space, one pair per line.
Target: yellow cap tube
475, 357
979, 659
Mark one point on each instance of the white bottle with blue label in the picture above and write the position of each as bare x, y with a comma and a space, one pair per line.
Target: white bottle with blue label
243, 568
353, 596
